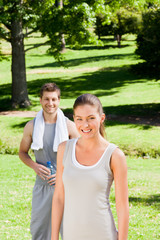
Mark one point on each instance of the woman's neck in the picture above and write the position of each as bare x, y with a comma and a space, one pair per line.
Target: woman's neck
92, 143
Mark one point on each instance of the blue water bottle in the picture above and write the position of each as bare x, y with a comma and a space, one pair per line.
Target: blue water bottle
51, 169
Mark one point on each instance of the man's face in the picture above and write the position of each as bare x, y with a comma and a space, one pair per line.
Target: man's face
50, 102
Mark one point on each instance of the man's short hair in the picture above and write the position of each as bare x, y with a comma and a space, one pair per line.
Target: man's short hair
50, 87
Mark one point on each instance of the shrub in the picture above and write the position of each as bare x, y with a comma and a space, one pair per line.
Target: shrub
148, 39
7, 148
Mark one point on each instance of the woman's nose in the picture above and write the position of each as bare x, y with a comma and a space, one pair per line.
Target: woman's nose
85, 123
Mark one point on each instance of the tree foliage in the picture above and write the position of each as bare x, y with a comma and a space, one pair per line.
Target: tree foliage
148, 39
73, 20
120, 18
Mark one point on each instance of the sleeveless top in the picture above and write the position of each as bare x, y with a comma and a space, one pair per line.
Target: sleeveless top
87, 213
43, 192
46, 154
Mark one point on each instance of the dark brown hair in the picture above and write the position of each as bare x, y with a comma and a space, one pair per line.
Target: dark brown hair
92, 100
50, 87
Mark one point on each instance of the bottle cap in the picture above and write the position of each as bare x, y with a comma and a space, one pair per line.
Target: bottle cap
49, 162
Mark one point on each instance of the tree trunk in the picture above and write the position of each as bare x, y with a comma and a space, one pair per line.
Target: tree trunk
119, 40
63, 43
59, 4
19, 84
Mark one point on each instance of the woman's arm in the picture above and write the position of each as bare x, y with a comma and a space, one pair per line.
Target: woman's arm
119, 168
58, 196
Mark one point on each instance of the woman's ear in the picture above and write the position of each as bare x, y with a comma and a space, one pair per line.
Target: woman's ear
103, 117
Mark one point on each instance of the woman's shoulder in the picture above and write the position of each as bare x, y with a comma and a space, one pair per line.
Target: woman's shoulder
63, 145
118, 159
118, 153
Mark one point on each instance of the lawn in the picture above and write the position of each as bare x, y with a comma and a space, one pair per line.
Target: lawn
133, 139
17, 182
104, 71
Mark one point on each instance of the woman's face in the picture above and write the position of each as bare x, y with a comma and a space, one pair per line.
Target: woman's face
88, 120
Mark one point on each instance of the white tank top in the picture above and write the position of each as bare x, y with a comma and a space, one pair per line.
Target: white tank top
87, 213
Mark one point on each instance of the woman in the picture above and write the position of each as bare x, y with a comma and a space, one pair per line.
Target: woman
87, 167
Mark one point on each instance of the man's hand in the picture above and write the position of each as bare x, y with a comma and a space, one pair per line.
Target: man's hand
41, 171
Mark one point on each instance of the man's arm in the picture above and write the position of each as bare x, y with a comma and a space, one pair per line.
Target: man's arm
72, 130
25, 144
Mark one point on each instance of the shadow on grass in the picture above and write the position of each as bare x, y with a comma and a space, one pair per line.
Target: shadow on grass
22, 124
105, 46
140, 124
79, 61
5, 97
145, 70
151, 200
101, 83
108, 123
108, 42
146, 110
129, 125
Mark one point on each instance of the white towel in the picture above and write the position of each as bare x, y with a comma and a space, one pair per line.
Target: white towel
61, 131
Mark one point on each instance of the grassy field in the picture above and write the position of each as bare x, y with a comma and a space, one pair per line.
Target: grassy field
104, 71
133, 139
17, 182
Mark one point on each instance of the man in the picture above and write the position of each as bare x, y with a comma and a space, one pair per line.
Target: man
43, 134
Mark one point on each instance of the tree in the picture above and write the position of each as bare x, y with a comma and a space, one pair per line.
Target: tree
11, 30
72, 21
59, 4
148, 39
120, 17
125, 21
122, 22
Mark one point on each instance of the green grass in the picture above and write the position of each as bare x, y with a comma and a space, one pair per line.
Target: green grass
133, 139
104, 71
17, 181
144, 198
11, 129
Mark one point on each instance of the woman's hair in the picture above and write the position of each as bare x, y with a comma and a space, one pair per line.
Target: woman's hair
50, 87
92, 100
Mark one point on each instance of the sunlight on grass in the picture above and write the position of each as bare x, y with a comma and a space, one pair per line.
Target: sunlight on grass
144, 195
103, 71
132, 138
